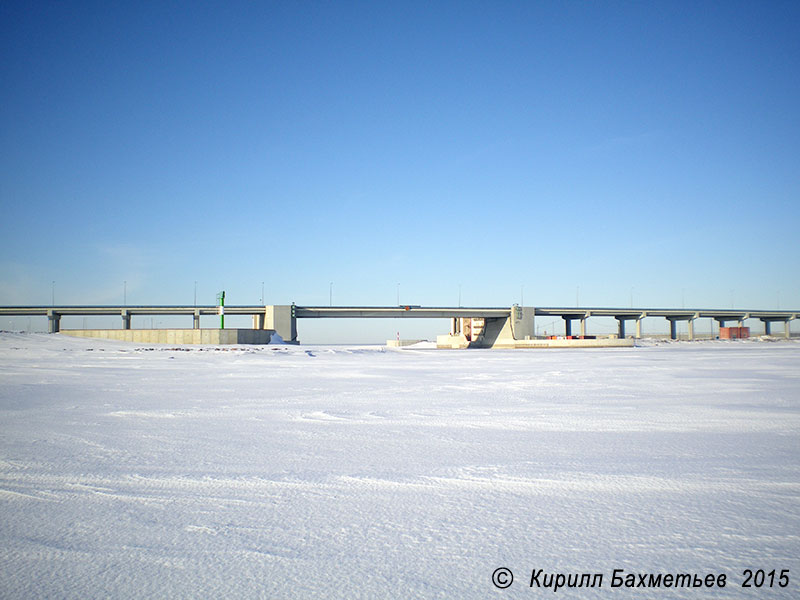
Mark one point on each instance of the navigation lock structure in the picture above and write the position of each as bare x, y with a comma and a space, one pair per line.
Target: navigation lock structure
512, 327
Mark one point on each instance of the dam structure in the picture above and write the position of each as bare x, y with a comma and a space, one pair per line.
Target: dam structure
497, 327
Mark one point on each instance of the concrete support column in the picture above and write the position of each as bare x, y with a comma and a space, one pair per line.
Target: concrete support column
639, 328
258, 321
673, 330
690, 323
767, 328
567, 326
126, 319
53, 321
455, 326
196, 319
621, 328
787, 330
583, 327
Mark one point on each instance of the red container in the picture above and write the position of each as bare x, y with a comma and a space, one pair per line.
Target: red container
734, 333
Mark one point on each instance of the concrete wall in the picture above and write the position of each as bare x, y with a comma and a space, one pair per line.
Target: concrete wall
459, 342
402, 343
452, 341
522, 322
212, 337
279, 318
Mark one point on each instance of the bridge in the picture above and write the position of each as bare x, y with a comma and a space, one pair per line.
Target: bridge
515, 322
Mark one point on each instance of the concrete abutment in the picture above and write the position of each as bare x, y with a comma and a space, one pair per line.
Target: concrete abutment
279, 318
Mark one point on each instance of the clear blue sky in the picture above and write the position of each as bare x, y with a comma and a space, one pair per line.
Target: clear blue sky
607, 151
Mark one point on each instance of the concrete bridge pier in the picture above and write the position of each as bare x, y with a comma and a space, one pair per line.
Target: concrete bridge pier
639, 325
568, 319
621, 325
722, 320
673, 329
53, 321
281, 319
522, 322
196, 319
126, 319
583, 323
767, 328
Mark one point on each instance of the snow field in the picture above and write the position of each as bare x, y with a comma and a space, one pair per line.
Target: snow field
355, 472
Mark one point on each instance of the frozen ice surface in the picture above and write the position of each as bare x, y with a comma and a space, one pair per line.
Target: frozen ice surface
132, 471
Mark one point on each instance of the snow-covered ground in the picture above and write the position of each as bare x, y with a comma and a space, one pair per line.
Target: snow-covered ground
344, 472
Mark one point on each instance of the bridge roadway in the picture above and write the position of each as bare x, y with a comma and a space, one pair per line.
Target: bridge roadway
54, 314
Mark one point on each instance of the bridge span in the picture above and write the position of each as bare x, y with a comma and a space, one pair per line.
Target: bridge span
515, 322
